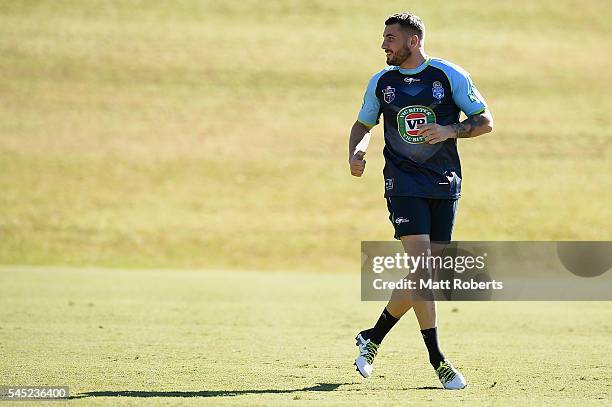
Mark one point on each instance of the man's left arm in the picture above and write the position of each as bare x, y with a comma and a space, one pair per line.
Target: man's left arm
474, 126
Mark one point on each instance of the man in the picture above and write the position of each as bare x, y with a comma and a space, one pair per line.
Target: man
420, 99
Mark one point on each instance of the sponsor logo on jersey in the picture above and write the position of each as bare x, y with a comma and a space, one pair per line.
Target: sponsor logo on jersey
437, 90
411, 80
410, 118
388, 184
472, 96
389, 94
400, 220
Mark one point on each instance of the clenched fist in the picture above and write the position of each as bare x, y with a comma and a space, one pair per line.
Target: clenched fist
357, 164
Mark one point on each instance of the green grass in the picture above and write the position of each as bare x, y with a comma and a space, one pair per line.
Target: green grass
273, 338
213, 134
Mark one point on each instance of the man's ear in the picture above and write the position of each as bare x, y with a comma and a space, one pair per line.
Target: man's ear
414, 41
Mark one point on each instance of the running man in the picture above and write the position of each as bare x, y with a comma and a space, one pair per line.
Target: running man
420, 98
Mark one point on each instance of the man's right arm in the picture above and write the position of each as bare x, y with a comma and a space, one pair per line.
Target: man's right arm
360, 132
358, 143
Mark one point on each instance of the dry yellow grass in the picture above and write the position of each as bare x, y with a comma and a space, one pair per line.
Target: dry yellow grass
213, 134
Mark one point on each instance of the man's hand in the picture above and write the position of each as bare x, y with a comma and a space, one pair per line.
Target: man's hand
357, 163
435, 133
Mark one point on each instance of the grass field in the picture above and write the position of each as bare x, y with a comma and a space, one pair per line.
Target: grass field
178, 223
264, 338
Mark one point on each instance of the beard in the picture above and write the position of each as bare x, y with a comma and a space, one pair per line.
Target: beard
398, 58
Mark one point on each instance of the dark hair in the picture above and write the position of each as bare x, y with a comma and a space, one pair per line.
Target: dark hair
409, 22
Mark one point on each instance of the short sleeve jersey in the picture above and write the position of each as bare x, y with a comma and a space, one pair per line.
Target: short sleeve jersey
435, 92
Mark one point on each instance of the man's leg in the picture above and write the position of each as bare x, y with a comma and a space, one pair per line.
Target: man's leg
424, 310
400, 302
411, 218
442, 220
426, 314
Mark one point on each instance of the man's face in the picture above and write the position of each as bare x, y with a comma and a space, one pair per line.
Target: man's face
396, 44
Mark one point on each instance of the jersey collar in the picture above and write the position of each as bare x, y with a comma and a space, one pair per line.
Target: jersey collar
417, 69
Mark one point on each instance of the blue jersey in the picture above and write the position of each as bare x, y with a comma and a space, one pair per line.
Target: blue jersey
435, 92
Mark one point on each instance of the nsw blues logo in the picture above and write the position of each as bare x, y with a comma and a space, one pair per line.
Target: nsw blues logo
437, 90
389, 94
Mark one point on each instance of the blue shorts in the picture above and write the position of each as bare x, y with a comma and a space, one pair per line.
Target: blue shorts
412, 215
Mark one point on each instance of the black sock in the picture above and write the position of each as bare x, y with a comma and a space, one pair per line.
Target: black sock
430, 336
383, 326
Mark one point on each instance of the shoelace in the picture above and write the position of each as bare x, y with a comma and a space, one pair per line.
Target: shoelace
445, 372
369, 352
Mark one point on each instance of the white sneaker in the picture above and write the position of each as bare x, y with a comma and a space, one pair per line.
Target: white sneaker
367, 352
450, 377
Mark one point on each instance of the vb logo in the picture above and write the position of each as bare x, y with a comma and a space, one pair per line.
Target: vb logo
410, 119
414, 121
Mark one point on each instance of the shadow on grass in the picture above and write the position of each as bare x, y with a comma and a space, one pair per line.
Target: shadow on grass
424, 388
204, 393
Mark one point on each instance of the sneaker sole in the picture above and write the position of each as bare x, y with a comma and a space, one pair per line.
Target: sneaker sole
359, 371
